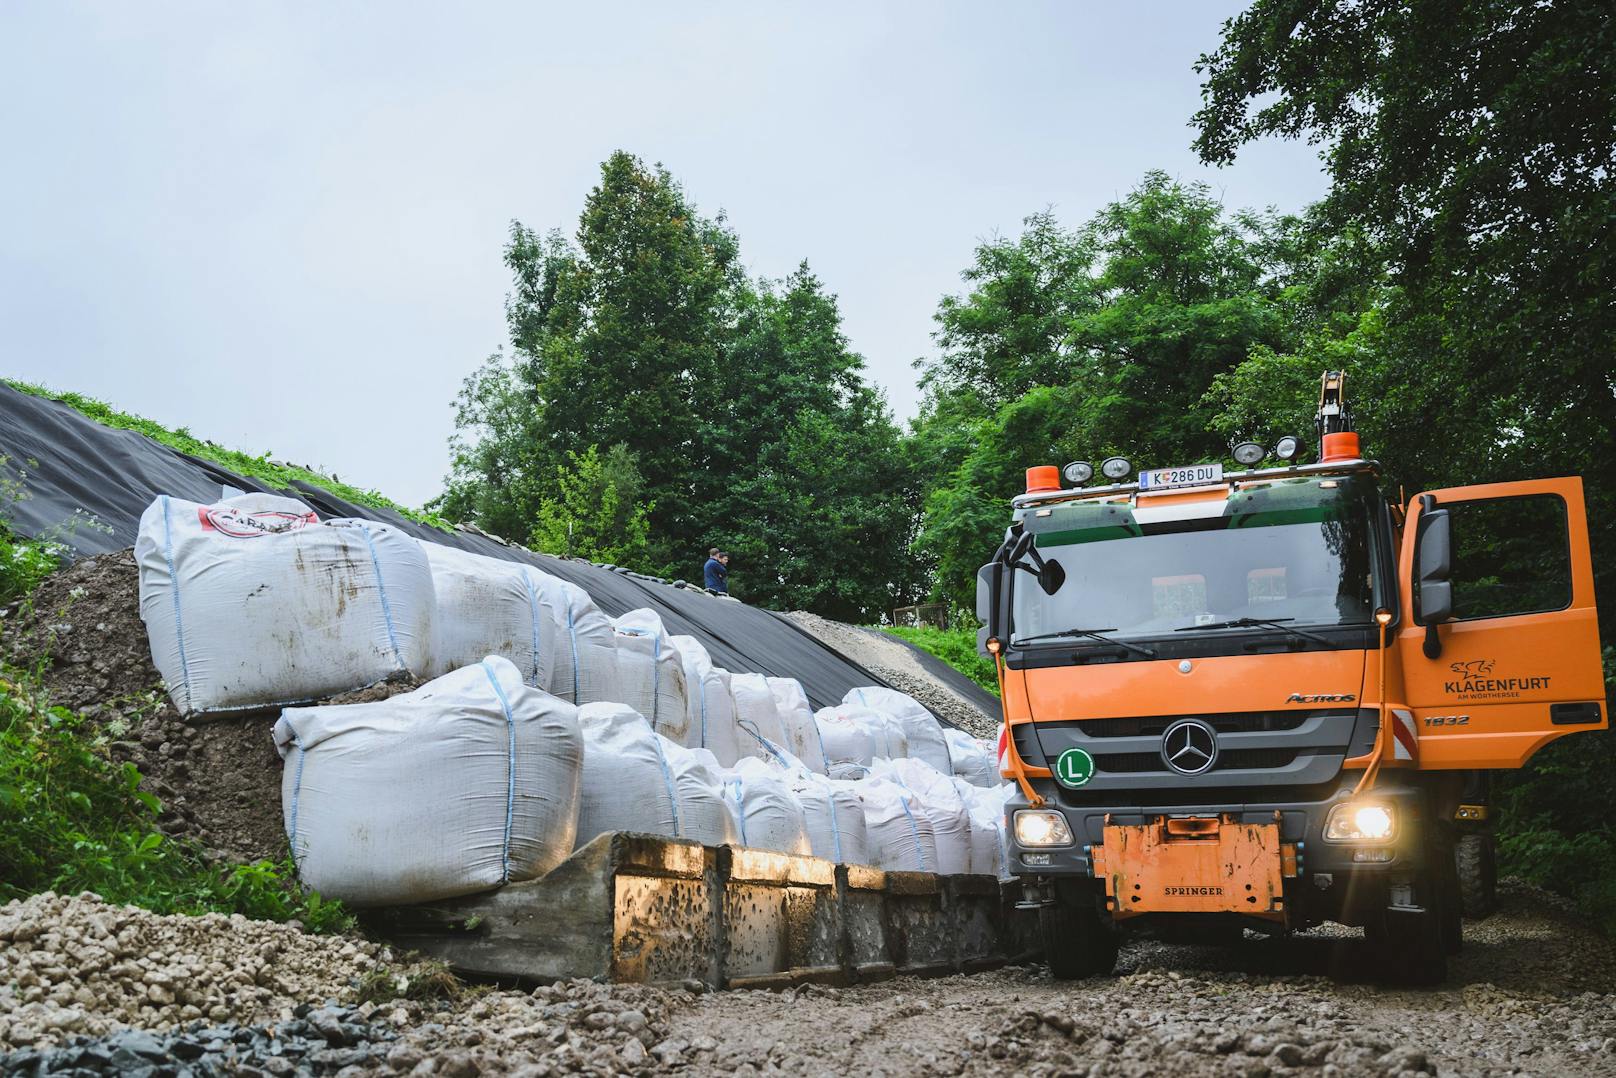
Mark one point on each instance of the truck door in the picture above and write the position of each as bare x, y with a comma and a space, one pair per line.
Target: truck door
1499, 639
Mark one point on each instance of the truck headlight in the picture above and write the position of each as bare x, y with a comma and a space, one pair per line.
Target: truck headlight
1042, 827
1361, 821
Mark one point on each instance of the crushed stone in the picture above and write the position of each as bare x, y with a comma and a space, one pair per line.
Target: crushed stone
892, 661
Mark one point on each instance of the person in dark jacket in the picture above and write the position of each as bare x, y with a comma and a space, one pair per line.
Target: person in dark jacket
716, 571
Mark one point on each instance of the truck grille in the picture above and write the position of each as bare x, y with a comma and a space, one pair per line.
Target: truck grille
1120, 763
1155, 726
1255, 749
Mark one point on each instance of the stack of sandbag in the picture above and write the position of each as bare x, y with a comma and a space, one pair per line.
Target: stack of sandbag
469, 782
898, 832
797, 717
636, 780
990, 849
973, 758
767, 813
834, 816
709, 703
583, 659
922, 731
650, 673
950, 816
849, 743
763, 731
486, 606
253, 602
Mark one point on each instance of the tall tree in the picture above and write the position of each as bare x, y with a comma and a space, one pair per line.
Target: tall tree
595, 509
740, 403
1471, 147
1158, 295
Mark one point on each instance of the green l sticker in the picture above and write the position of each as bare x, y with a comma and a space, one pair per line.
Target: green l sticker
1074, 767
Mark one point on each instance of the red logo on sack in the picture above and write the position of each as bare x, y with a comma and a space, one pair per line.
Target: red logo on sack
238, 525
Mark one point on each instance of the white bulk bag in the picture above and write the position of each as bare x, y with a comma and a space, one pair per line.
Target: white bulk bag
972, 758
469, 782
990, 848
887, 739
708, 702
583, 655
486, 606
253, 602
898, 832
797, 716
763, 732
627, 784
924, 733
834, 816
704, 815
650, 674
849, 745
767, 813
950, 816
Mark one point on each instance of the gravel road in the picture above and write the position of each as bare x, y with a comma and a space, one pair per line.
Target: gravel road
1531, 994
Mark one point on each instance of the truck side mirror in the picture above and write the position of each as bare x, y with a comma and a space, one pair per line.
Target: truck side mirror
1051, 576
1435, 556
1433, 595
989, 586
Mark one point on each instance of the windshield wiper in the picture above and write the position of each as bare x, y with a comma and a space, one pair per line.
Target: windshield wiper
1257, 623
1092, 634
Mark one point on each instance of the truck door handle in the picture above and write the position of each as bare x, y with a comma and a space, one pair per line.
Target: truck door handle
1573, 714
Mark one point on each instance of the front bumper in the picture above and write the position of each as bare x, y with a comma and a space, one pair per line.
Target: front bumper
1300, 826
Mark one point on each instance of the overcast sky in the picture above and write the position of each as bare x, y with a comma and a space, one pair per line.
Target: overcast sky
280, 225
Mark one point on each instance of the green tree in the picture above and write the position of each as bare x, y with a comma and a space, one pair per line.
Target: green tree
740, 402
1011, 331
1160, 293
595, 509
1472, 152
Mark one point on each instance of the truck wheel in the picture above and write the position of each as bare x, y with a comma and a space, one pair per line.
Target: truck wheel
1474, 855
1076, 943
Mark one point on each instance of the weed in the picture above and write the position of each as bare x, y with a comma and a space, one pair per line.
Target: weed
425, 980
272, 473
956, 647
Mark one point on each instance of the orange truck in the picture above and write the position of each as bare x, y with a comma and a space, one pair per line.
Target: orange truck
1264, 697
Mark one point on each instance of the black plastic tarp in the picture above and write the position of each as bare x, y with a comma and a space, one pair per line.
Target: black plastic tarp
86, 485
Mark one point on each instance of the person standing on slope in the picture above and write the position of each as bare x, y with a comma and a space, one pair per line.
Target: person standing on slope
716, 571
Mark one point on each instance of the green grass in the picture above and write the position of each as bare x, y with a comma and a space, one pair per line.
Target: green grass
956, 647
259, 467
76, 821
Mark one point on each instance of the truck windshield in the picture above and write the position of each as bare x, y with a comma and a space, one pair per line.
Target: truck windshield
1295, 551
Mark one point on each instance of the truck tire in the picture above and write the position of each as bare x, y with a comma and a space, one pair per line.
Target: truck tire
1076, 943
1475, 858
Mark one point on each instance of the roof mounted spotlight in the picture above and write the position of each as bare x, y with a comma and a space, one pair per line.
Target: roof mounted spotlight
1249, 453
1115, 468
1078, 472
1287, 447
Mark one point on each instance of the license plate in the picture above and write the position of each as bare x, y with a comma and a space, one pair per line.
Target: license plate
1193, 476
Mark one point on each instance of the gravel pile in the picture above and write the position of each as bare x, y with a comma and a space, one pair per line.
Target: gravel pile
892, 660
219, 779
72, 965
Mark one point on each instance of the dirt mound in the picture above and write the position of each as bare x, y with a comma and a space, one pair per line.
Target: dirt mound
219, 779
892, 661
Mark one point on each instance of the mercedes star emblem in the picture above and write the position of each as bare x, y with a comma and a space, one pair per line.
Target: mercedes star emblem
1190, 747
